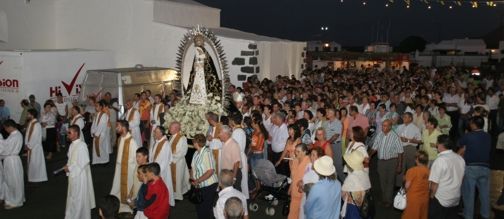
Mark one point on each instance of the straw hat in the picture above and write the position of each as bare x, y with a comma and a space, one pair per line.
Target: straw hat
355, 160
324, 166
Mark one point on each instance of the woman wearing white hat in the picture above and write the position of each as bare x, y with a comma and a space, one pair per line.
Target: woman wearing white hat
324, 200
355, 186
358, 137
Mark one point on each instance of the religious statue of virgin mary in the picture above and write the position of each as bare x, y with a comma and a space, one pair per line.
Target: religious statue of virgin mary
202, 69
203, 79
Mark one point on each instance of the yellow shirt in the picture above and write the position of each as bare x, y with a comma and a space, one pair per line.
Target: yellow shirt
428, 140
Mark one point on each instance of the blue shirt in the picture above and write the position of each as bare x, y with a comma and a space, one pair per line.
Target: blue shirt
477, 148
141, 202
324, 200
333, 127
4, 113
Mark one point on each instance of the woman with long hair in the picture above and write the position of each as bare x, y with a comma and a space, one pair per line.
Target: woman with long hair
288, 152
259, 136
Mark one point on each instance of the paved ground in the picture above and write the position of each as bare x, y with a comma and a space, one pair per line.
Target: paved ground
47, 200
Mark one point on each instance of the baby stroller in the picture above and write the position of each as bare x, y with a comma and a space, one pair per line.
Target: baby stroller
272, 186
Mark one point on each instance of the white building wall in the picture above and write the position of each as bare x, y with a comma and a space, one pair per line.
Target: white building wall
27, 25
122, 26
128, 29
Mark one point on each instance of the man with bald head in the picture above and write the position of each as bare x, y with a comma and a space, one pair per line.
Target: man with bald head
227, 191
179, 170
388, 146
230, 156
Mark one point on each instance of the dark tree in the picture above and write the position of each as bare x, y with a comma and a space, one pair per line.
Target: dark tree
411, 44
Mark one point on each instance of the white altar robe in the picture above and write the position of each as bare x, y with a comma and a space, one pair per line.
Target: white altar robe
79, 121
80, 195
215, 145
134, 125
100, 129
13, 185
182, 171
36, 161
154, 116
164, 160
132, 165
240, 137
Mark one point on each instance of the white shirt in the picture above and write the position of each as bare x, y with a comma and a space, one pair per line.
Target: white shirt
224, 195
279, 136
493, 102
448, 171
409, 131
448, 98
464, 107
61, 108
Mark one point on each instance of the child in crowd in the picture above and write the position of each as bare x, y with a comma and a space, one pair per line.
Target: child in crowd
156, 189
141, 203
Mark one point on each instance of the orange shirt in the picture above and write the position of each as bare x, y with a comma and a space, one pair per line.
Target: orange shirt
297, 173
257, 142
144, 108
291, 146
326, 146
418, 193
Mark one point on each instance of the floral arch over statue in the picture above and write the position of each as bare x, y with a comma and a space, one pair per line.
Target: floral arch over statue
203, 71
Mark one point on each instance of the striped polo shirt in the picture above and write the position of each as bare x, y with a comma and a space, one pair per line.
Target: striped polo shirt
202, 162
387, 146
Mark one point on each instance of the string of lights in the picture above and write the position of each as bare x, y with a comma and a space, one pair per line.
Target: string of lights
450, 4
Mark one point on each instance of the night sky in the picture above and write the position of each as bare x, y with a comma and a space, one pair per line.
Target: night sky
352, 24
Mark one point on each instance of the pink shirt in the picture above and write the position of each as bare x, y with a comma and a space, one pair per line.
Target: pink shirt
360, 120
230, 154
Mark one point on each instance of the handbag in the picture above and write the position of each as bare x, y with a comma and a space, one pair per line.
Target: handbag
195, 195
400, 199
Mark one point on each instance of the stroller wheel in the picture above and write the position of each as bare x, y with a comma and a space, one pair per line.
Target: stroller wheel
274, 202
253, 207
270, 211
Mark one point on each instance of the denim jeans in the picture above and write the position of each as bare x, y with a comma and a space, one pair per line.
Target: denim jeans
254, 158
476, 177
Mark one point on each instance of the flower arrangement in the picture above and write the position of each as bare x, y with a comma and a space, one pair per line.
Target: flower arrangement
192, 117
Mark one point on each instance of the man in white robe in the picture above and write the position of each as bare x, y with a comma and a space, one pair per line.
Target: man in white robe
161, 153
133, 117
241, 138
180, 172
155, 116
33, 141
100, 133
13, 185
77, 119
125, 169
80, 195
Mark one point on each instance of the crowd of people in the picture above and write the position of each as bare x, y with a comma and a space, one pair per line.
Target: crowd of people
432, 132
